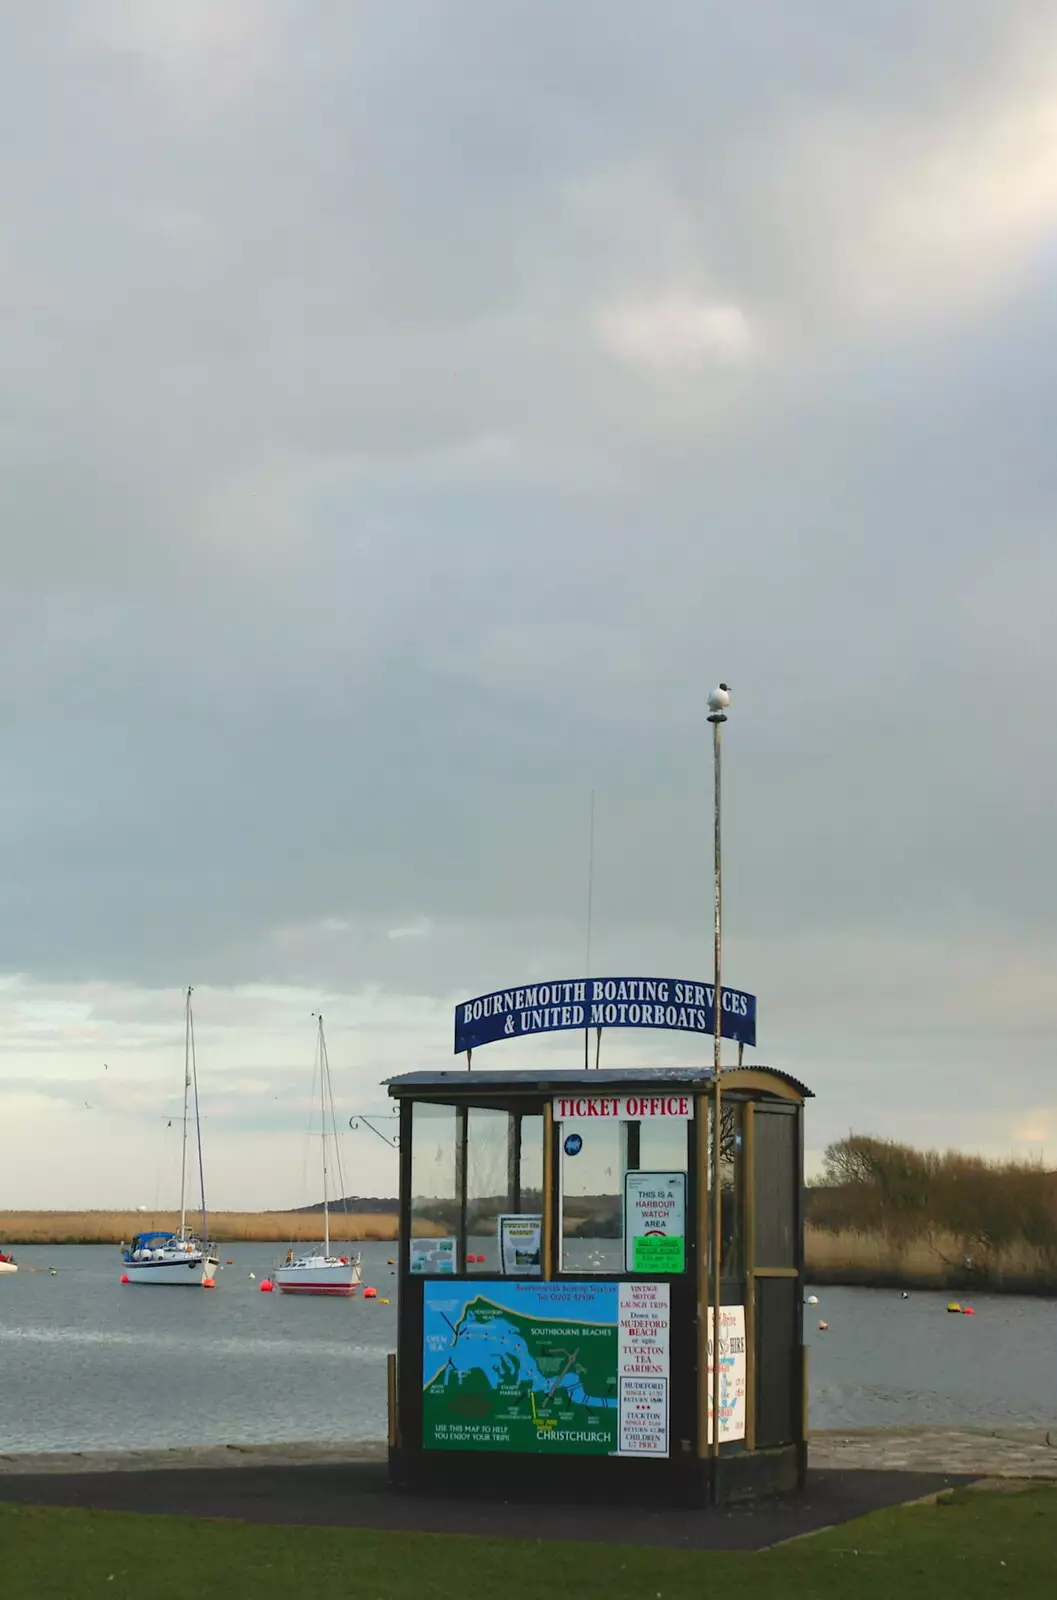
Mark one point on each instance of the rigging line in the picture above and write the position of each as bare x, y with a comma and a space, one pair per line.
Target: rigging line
198, 1120
308, 1140
337, 1146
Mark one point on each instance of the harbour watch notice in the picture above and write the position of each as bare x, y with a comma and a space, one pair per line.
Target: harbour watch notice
655, 1221
562, 1368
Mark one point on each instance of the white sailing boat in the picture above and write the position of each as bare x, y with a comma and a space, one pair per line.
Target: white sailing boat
316, 1270
162, 1257
8, 1264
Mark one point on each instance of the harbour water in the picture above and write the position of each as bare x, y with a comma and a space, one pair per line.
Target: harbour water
88, 1364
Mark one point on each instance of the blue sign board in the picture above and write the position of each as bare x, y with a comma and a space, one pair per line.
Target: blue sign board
673, 1003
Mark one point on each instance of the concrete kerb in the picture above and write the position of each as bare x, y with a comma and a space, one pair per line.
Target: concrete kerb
295, 1453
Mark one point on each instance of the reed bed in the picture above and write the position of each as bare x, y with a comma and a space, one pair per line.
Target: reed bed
934, 1261
225, 1227
885, 1213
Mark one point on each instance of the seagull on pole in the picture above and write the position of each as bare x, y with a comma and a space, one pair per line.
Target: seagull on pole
718, 701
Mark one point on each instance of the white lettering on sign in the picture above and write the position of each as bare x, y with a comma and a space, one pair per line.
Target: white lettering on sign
624, 1108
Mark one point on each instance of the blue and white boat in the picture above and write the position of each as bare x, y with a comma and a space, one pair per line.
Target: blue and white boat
173, 1258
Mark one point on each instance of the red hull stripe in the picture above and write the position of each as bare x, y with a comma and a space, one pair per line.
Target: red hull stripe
315, 1288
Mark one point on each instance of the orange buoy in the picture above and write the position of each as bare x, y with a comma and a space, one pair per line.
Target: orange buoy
390, 1262
370, 1294
267, 1286
209, 1283
125, 1277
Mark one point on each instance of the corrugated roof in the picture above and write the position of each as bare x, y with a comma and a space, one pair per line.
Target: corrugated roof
560, 1079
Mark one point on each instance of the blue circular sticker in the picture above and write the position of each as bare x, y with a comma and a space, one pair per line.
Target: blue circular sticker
573, 1145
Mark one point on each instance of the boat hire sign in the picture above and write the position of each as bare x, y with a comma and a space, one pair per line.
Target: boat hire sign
672, 1003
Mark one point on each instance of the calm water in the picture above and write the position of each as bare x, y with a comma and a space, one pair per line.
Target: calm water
87, 1364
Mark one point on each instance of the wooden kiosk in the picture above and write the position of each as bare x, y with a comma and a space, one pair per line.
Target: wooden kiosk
554, 1272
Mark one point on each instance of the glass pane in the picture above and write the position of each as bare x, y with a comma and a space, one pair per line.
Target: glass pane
531, 1199
663, 1145
434, 1194
592, 1158
777, 1137
487, 1185
730, 1169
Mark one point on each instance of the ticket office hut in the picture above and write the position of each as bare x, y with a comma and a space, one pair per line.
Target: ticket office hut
563, 1349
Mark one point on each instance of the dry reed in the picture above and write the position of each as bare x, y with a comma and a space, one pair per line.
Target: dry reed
229, 1227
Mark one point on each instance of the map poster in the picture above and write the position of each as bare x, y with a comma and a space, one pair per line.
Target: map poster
644, 1313
526, 1367
519, 1246
731, 1373
655, 1222
433, 1255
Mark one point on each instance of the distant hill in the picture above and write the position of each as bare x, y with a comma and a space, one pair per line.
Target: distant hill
368, 1204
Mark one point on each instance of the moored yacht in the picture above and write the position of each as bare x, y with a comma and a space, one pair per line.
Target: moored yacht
316, 1270
171, 1258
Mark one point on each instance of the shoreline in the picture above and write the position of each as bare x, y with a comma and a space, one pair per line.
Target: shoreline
953, 1283
1005, 1452
846, 1260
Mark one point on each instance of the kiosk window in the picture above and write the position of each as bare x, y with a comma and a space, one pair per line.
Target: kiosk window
592, 1173
662, 1145
529, 1196
434, 1181
488, 1184
732, 1123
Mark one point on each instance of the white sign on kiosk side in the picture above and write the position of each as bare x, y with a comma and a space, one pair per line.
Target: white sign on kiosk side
732, 1382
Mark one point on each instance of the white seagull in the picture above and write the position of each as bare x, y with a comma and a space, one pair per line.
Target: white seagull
718, 701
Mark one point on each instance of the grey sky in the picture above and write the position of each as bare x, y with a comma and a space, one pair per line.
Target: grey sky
406, 414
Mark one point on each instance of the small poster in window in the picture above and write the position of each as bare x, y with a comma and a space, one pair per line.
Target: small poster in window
655, 1222
519, 1246
433, 1256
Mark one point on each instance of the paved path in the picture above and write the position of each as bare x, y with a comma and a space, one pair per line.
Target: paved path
992, 1453
345, 1485
357, 1495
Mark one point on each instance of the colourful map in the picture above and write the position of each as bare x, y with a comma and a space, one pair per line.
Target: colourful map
520, 1366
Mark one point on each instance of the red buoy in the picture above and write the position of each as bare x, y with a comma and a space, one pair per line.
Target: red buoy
969, 1312
124, 1277
267, 1286
370, 1294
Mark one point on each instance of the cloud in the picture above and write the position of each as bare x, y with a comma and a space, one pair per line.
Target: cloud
675, 332
401, 427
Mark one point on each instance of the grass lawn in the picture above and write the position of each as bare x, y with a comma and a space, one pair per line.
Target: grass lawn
972, 1544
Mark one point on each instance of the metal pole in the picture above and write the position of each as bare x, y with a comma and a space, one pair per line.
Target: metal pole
590, 908
187, 1091
718, 700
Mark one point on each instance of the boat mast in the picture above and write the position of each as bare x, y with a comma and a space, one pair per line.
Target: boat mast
187, 1090
323, 1130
